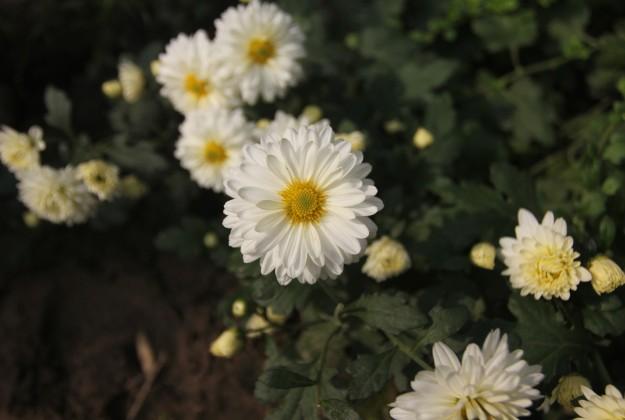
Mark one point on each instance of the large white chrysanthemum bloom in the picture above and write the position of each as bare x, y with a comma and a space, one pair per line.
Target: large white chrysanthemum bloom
301, 204
210, 142
56, 195
610, 406
259, 47
187, 72
19, 151
281, 123
541, 260
489, 383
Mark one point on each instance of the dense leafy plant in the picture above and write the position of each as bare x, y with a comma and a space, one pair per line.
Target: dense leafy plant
524, 103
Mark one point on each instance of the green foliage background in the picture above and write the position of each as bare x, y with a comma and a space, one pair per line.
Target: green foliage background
525, 101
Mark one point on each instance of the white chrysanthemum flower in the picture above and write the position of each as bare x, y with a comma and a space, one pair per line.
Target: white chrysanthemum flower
259, 47
281, 123
610, 406
100, 178
301, 204
489, 383
385, 258
56, 195
20, 151
131, 80
211, 142
541, 260
187, 72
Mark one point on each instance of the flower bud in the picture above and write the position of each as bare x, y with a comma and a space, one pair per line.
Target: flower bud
131, 80
211, 240
275, 317
312, 113
422, 138
393, 126
569, 388
606, 275
386, 258
483, 255
155, 66
263, 123
356, 139
257, 325
112, 88
30, 219
227, 344
239, 308
132, 187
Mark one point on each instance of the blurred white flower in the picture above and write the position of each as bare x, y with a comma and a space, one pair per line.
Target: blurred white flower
56, 195
112, 88
541, 260
100, 178
132, 80
610, 406
259, 47
20, 151
356, 139
281, 123
489, 383
301, 204
187, 72
210, 142
385, 258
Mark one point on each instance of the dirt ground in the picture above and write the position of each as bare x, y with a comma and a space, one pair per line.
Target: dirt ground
69, 345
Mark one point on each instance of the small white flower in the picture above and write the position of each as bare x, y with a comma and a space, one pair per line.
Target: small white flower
281, 123
187, 71
301, 204
356, 139
541, 260
210, 143
19, 151
259, 47
489, 383
56, 195
131, 80
385, 258
610, 406
100, 178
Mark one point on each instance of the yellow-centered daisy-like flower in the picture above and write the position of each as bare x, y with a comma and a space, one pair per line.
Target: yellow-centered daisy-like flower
606, 275
19, 151
385, 258
541, 260
100, 178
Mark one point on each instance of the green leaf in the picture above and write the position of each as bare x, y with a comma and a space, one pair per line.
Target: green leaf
185, 239
338, 410
59, 110
420, 78
283, 299
445, 323
298, 403
606, 317
369, 373
510, 31
139, 157
391, 314
547, 341
615, 152
533, 116
516, 185
282, 378
440, 116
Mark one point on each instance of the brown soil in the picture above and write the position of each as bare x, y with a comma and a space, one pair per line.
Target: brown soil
68, 345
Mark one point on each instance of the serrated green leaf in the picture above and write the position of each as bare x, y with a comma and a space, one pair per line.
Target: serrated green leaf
185, 239
606, 317
369, 372
59, 110
516, 185
338, 410
283, 299
282, 378
391, 314
445, 323
420, 78
510, 31
139, 157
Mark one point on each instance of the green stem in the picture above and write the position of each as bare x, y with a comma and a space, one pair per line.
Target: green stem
408, 352
603, 371
539, 67
322, 361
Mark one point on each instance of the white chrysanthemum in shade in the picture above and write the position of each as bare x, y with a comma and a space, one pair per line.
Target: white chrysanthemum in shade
56, 195
386, 258
20, 151
541, 260
259, 47
210, 143
100, 178
282, 122
131, 80
610, 406
187, 72
301, 204
488, 383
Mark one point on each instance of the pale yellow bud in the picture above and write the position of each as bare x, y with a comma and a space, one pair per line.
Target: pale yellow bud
606, 275
227, 344
211, 240
256, 326
30, 219
112, 88
483, 255
422, 138
569, 388
312, 113
239, 308
132, 81
263, 123
356, 139
155, 66
132, 187
394, 126
386, 258
275, 317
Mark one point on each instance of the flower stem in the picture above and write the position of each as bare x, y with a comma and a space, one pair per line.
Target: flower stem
603, 371
408, 351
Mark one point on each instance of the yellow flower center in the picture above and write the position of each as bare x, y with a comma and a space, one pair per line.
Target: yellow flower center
214, 153
198, 88
551, 268
261, 50
304, 202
